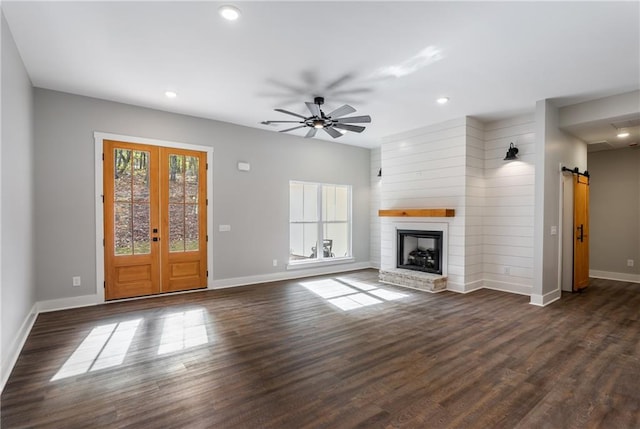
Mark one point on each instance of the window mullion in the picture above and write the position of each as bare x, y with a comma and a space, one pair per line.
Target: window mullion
319, 245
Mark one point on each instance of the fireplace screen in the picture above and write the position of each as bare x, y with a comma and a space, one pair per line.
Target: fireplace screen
420, 250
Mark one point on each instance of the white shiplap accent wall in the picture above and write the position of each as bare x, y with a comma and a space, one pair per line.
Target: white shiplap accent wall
376, 189
474, 204
427, 168
507, 239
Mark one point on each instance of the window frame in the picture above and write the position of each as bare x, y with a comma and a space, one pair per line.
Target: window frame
320, 259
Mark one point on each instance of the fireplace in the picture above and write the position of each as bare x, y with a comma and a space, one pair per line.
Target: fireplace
419, 250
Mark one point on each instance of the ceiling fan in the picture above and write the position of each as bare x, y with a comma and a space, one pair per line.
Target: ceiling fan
331, 122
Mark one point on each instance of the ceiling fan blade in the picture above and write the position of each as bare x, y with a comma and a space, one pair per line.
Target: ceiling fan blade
311, 133
332, 132
289, 113
281, 122
341, 111
353, 119
339, 81
291, 129
354, 128
313, 108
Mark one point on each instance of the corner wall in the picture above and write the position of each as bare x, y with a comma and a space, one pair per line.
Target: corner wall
376, 190
553, 148
17, 290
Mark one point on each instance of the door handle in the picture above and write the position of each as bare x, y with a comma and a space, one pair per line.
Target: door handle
156, 238
581, 236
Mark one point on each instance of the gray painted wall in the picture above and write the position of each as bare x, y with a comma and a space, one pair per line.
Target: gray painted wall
553, 148
16, 224
615, 210
255, 204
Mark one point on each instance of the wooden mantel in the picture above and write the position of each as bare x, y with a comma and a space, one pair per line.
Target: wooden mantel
417, 213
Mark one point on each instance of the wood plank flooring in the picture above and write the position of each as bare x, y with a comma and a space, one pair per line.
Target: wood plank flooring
287, 355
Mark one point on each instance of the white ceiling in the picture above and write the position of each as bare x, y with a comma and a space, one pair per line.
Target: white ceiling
390, 60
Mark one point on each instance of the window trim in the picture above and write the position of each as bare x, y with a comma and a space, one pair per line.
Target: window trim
320, 260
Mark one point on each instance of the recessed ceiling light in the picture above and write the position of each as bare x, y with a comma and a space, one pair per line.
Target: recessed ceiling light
228, 12
443, 100
622, 134
170, 94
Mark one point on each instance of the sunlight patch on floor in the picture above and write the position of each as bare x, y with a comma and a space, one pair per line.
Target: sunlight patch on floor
183, 330
352, 295
106, 346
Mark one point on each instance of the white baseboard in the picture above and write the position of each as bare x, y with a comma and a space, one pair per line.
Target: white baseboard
465, 287
16, 347
621, 277
546, 299
294, 274
67, 303
516, 288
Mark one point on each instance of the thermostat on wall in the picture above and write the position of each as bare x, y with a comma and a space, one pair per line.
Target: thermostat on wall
244, 166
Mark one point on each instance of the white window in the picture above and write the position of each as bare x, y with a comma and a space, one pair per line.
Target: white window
319, 222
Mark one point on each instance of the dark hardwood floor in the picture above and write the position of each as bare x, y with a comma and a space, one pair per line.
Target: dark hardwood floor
289, 355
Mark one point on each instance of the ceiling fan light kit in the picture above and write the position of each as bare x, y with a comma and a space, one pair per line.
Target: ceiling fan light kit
333, 123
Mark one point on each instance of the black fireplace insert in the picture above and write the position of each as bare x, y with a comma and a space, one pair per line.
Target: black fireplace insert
420, 250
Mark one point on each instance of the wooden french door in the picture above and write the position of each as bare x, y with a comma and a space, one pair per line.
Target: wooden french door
155, 219
581, 232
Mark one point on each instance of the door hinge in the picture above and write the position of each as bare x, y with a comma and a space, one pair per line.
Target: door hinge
207, 237
207, 273
207, 201
105, 284
102, 198
103, 242
207, 166
103, 156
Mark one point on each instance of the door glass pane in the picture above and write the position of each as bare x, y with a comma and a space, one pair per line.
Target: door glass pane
176, 227
141, 229
122, 174
122, 226
176, 179
140, 175
191, 179
192, 227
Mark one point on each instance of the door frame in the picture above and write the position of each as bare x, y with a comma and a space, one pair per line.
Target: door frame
99, 138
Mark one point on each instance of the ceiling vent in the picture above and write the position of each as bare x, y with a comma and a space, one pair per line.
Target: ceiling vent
599, 146
626, 124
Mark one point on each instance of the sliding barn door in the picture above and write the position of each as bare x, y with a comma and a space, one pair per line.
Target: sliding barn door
581, 232
154, 219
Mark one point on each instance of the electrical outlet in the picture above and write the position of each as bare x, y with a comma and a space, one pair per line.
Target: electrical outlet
630, 262
76, 281
275, 262
507, 270
554, 230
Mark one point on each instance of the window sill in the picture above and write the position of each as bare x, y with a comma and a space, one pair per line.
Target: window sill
298, 265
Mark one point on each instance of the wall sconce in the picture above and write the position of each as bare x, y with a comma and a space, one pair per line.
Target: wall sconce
512, 153
380, 172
